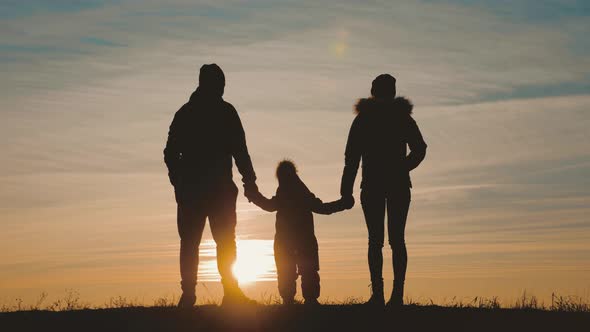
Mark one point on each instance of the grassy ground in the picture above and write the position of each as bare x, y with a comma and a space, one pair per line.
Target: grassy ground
69, 314
353, 317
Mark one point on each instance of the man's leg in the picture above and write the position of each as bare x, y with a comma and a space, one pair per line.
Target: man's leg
373, 203
191, 222
223, 219
398, 204
286, 272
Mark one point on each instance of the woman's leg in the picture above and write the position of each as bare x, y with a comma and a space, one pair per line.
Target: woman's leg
398, 204
373, 204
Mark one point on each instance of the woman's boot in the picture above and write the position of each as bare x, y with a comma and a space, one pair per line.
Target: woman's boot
397, 294
377, 297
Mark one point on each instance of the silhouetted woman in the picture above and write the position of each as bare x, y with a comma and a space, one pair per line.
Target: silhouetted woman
379, 135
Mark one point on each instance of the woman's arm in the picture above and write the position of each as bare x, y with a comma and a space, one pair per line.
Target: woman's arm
352, 158
417, 146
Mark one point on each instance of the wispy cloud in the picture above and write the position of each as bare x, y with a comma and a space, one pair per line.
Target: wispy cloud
443, 52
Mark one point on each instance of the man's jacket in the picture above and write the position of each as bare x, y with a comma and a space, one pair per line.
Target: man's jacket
204, 136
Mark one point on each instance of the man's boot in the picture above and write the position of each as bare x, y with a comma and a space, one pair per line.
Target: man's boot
377, 297
287, 301
312, 303
233, 295
397, 295
188, 297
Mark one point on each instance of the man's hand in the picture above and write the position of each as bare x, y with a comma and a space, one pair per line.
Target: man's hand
251, 191
347, 201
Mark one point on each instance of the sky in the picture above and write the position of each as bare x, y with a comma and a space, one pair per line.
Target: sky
501, 92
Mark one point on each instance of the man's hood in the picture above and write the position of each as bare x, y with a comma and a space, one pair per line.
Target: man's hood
201, 94
397, 104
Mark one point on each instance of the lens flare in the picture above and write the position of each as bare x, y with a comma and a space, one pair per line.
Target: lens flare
339, 48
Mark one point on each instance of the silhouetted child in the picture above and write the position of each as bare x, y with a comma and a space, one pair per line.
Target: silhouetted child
295, 246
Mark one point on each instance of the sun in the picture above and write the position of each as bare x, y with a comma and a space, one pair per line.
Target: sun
255, 261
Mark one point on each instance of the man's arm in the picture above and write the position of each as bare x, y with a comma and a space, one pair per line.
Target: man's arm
352, 158
240, 153
172, 153
417, 146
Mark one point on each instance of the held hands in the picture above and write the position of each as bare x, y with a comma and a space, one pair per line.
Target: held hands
344, 203
347, 202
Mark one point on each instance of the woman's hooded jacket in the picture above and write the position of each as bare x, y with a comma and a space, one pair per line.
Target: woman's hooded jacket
379, 136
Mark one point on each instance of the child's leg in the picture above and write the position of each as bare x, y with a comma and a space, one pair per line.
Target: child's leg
309, 265
286, 271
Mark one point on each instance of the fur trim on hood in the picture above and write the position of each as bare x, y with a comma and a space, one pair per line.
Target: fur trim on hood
397, 104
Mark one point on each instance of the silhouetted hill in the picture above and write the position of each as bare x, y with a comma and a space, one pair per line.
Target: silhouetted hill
296, 318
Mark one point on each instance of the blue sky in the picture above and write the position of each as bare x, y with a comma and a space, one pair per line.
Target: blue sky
545, 38
502, 93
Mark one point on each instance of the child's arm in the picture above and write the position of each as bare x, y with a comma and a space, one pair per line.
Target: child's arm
331, 207
264, 203
320, 207
326, 208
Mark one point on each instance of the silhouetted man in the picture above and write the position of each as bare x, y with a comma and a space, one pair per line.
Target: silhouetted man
204, 136
379, 135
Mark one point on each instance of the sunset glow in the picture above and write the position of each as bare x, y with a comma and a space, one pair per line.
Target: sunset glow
255, 261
